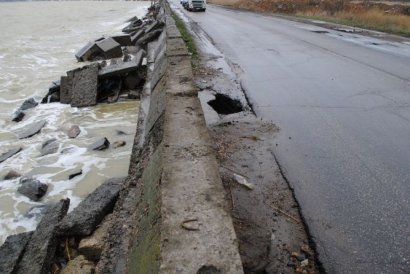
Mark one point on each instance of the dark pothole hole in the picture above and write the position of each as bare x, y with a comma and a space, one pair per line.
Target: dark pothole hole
223, 104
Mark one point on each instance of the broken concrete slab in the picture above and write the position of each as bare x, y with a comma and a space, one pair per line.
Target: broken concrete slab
31, 130
85, 84
88, 52
83, 220
122, 67
122, 39
79, 265
10, 153
110, 48
100, 144
137, 36
67, 87
12, 250
150, 36
43, 243
154, 25
33, 189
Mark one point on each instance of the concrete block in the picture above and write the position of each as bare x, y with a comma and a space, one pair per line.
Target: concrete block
12, 250
66, 87
137, 35
83, 220
110, 48
122, 67
88, 52
43, 243
173, 32
148, 37
122, 39
85, 82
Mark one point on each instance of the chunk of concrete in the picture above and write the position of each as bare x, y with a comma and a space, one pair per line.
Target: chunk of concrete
154, 25
122, 67
41, 249
93, 245
31, 130
150, 36
100, 144
74, 131
10, 153
33, 189
88, 52
110, 48
83, 220
137, 36
85, 84
122, 39
79, 265
12, 250
66, 87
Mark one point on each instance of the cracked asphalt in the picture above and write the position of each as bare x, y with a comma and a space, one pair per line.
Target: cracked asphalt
342, 103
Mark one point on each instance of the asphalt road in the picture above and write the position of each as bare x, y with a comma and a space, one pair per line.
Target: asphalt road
342, 102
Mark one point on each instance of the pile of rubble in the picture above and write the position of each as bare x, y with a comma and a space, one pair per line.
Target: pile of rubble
120, 72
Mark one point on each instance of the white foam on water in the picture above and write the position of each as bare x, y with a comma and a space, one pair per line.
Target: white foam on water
34, 53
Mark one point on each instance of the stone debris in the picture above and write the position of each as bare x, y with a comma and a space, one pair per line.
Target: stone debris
75, 174
19, 114
100, 144
53, 94
31, 130
12, 250
74, 131
49, 147
43, 243
10, 153
12, 174
32, 188
93, 245
118, 144
83, 220
79, 265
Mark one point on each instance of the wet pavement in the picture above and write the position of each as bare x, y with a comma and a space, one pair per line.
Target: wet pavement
341, 101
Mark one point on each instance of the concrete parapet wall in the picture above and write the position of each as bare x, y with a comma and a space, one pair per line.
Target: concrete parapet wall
172, 217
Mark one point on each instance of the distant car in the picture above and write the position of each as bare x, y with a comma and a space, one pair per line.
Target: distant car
192, 5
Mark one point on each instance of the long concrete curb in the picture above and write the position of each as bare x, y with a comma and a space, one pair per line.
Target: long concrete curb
171, 216
186, 227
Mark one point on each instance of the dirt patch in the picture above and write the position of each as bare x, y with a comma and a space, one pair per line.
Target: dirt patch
272, 237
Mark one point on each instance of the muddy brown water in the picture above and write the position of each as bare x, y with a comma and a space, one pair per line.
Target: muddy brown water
37, 46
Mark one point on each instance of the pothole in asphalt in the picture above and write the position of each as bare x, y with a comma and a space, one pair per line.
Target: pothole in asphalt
223, 104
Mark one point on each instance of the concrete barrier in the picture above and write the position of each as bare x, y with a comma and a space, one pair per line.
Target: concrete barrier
172, 216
